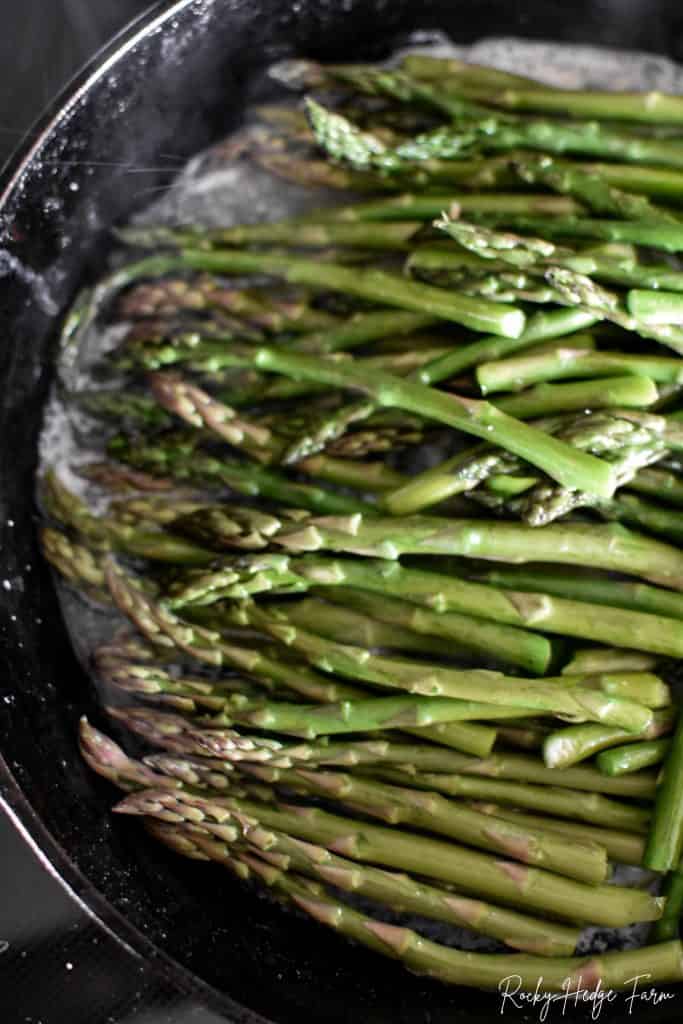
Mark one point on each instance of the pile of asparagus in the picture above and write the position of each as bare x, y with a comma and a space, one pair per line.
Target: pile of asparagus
396, 522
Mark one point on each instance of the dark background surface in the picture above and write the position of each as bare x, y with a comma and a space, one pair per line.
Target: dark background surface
56, 965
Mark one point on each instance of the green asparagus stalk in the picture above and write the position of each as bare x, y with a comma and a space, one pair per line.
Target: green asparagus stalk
648, 107
514, 929
592, 588
629, 440
350, 716
561, 802
669, 925
442, 69
307, 233
608, 659
349, 625
180, 456
529, 887
418, 954
345, 143
604, 393
515, 374
579, 290
604, 547
573, 744
632, 758
496, 249
542, 326
656, 234
433, 813
476, 739
515, 767
600, 197
362, 328
511, 927
444, 594
629, 508
378, 286
505, 643
622, 847
574, 469
185, 693
102, 533
422, 956
162, 628
445, 266
657, 483
663, 850
425, 207
654, 308
260, 308
75, 562
575, 702
347, 753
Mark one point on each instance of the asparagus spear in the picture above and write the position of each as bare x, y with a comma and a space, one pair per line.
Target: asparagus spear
575, 702
622, 847
378, 286
442, 69
345, 143
425, 207
504, 643
669, 925
349, 625
526, 607
655, 308
509, 374
425, 957
663, 850
564, 177
75, 562
604, 393
433, 813
632, 758
496, 249
528, 887
655, 234
349, 716
594, 588
105, 534
635, 106
604, 547
554, 800
362, 328
181, 456
569, 746
667, 487
542, 326
628, 440
567, 273
262, 309
481, 419
629, 508
608, 659
419, 954
514, 929
310, 234
162, 628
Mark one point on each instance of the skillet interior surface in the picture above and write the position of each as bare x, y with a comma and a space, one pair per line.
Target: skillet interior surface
172, 84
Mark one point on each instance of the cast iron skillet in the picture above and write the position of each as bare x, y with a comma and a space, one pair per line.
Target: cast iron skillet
173, 82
